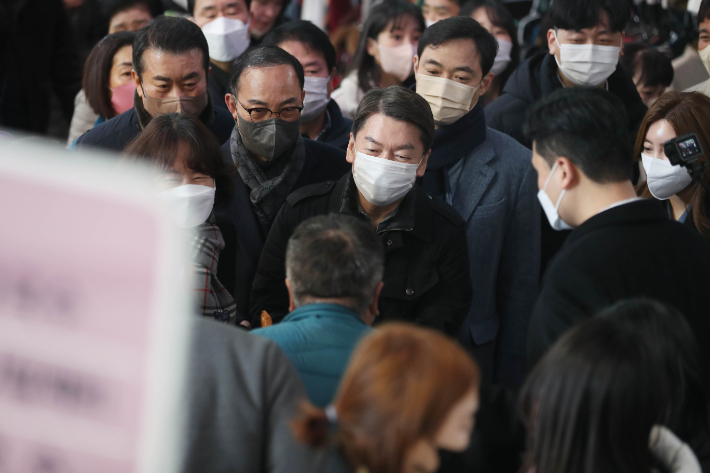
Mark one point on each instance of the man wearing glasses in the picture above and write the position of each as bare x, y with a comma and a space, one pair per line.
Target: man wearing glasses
272, 159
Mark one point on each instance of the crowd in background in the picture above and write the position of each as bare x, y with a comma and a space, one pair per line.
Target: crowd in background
438, 235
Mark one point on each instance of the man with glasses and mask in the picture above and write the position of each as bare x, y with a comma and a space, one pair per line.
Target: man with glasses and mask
170, 68
488, 178
271, 158
426, 279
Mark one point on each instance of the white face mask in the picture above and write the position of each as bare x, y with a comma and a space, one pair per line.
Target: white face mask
429, 23
664, 180
502, 56
587, 64
381, 181
705, 57
316, 97
189, 205
227, 38
449, 100
549, 208
397, 61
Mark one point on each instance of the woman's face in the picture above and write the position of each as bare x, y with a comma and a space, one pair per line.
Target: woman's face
181, 175
407, 31
120, 73
263, 16
481, 16
658, 133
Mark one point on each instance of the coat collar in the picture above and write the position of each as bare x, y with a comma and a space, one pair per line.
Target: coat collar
322, 310
478, 175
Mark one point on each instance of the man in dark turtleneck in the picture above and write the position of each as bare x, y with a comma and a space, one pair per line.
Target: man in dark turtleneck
489, 179
170, 68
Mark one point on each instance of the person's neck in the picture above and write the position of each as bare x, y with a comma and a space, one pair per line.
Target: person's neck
314, 127
387, 80
225, 66
377, 213
598, 197
679, 203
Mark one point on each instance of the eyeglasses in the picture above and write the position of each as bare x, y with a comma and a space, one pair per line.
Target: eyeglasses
261, 113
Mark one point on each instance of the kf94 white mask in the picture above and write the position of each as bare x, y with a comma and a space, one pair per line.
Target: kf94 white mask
502, 56
550, 209
381, 181
448, 99
227, 38
664, 180
397, 61
316, 97
587, 64
189, 205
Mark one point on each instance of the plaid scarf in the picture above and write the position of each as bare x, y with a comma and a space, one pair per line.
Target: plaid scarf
212, 299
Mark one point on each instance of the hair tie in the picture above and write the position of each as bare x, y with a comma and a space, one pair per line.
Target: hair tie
331, 414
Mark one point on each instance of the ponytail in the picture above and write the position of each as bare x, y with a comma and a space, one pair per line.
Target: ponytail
312, 426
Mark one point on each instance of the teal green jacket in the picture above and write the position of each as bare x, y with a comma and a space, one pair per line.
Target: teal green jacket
318, 339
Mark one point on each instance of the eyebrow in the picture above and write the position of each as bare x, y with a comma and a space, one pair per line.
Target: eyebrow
407, 146
125, 64
289, 100
311, 64
433, 62
191, 75
703, 30
372, 140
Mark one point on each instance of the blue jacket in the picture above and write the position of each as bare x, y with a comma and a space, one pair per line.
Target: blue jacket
318, 339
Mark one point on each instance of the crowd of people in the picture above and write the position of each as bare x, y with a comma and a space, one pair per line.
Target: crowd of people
456, 254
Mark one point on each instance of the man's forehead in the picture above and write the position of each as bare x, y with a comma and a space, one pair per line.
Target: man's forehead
284, 79
303, 51
460, 50
601, 27
154, 58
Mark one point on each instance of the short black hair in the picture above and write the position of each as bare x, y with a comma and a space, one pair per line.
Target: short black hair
305, 33
704, 11
461, 27
263, 56
191, 6
588, 126
173, 35
109, 8
654, 67
401, 104
581, 14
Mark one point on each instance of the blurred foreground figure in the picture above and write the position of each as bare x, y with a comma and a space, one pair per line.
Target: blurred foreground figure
334, 267
621, 246
407, 392
592, 403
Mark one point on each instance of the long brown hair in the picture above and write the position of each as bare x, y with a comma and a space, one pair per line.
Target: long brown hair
399, 387
97, 71
687, 112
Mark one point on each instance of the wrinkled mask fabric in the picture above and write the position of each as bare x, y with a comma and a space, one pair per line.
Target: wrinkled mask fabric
270, 138
192, 105
705, 57
122, 97
550, 209
227, 38
397, 61
190, 205
316, 97
449, 100
587, 64
664, 180
382, 181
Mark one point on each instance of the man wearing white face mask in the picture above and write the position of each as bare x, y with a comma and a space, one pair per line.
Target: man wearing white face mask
225, 24
426, 279
703, 43
322, 119
487, 177
621, 246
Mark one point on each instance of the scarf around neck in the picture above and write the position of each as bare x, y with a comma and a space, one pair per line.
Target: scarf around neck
451, 144
268, 187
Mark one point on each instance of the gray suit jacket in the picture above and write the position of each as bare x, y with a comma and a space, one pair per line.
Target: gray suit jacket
242, 393
497, 197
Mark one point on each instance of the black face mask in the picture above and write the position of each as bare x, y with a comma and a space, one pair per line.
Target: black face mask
270, 138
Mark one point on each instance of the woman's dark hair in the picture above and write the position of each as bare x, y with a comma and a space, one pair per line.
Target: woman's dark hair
591, 402
501, 17
162, 143
368, 72
687, 112
97, 71
675, 348
654, 67
401, 104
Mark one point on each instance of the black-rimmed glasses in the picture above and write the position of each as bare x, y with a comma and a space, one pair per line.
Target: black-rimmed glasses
262, 113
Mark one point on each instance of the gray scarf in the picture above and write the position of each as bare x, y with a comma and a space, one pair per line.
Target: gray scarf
269, 188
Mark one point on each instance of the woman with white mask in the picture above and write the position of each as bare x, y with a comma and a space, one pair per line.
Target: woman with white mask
675, 114
191, 178
385, 53
498, 21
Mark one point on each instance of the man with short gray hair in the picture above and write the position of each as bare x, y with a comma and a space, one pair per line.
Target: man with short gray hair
334, 268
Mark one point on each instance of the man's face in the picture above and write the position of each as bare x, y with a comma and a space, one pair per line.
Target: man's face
264, 13
600, 35
387, 138
208, 10
275, 88
313, 62
435, 10
132, 19
704, 39
172, 75
649, 93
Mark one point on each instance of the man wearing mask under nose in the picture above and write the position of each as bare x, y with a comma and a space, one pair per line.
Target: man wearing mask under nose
225, 24
170, 68
488, 178
321, 119
271, 158
426, 279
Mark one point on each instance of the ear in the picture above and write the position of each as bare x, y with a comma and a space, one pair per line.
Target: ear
231, 105
291, 305
485, 83
623, 38
138, 83
303, 95
416, 66
350, 153
551, 43
372, 49
570, 173
422, 166
373, 309
330, 87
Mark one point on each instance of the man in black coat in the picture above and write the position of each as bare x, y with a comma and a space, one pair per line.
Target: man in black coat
621, 246
170, 67
322, 119
271, 158
426, 278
